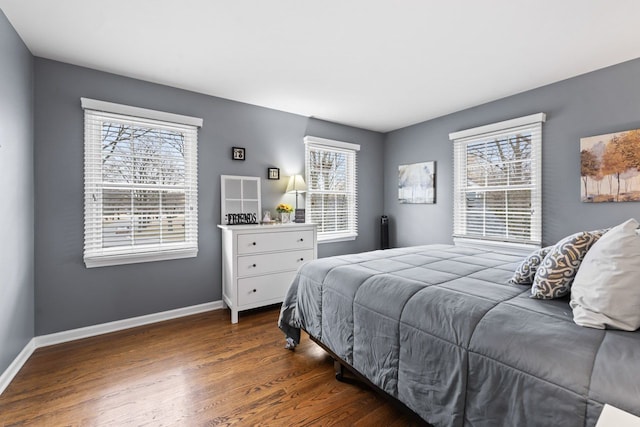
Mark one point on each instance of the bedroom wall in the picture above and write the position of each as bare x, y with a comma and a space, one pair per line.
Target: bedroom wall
600, 102
68, 295
16, 187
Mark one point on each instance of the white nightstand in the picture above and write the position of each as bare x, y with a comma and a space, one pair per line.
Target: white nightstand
259, 262
614, 417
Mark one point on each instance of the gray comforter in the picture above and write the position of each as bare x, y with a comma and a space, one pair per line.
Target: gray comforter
440, 328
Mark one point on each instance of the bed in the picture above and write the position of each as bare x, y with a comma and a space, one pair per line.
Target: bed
441, 329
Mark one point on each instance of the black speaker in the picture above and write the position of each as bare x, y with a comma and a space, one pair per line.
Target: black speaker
384, 232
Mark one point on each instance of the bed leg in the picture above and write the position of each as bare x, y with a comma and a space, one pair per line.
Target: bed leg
337, 366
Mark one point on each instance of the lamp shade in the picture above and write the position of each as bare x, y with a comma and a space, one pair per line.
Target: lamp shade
296, 184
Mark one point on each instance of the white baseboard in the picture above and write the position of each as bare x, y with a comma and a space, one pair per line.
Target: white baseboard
16, 365
118, 325
94, 330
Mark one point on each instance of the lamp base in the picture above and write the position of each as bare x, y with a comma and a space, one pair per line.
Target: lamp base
299, 215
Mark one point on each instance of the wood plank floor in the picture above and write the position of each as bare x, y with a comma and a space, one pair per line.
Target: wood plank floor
192, 371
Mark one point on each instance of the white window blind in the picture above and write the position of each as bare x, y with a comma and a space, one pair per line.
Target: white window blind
332, 198
141, 195
497, 182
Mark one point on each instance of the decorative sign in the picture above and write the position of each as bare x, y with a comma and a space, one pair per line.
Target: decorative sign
241, 218
299, 216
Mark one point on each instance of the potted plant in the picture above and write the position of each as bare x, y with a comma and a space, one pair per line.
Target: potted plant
285, 212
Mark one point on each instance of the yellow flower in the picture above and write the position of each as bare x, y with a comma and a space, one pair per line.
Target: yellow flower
283, 207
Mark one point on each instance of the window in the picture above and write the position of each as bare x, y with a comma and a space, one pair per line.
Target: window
141, 195
497, 182
332, 200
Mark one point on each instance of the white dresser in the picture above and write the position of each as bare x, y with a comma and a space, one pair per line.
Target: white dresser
259, 262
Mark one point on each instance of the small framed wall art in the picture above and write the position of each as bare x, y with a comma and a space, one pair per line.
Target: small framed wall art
416, 183
273, 173
237, 153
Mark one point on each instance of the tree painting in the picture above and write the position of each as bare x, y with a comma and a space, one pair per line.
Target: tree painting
416, 183
609, 167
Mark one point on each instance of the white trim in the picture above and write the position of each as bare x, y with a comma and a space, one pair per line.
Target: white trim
499, 246
331, 143
133, 258
95, 330
17, 364
494, 127
330, 239
118, 325
127, 110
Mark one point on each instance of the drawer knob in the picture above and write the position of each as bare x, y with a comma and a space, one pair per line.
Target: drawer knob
301, 259
253, 265
301, 239
254, 243
255, 290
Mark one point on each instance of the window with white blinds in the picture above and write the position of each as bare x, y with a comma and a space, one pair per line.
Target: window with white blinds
141, 195
497, 182
332, 197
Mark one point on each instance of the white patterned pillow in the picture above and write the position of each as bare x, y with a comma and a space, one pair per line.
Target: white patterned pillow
526, 271
559, 267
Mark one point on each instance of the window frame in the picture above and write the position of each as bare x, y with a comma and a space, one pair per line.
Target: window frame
94, 254
350, 150
462, 139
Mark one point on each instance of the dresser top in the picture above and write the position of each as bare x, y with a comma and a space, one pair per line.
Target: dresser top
272, 226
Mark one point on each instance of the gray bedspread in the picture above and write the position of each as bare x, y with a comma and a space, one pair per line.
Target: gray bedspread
440, 328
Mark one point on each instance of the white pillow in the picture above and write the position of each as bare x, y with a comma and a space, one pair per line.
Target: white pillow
606, 290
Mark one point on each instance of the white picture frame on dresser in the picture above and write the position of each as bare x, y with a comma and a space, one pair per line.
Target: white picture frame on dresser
239, 195
260, 261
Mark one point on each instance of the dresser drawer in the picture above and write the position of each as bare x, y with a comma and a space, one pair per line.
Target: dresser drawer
266, 242
271, 287
252, 265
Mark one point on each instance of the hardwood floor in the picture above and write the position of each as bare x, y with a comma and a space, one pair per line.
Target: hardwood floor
196, 370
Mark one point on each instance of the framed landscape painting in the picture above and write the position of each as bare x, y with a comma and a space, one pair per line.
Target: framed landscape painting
416, 183
609, 167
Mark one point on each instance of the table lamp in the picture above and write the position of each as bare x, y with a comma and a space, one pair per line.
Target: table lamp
297, 185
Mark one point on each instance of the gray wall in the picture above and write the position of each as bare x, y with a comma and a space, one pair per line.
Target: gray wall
600, 102
68, 295
16, 187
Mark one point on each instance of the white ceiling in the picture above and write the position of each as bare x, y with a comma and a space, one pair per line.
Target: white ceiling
375, 64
